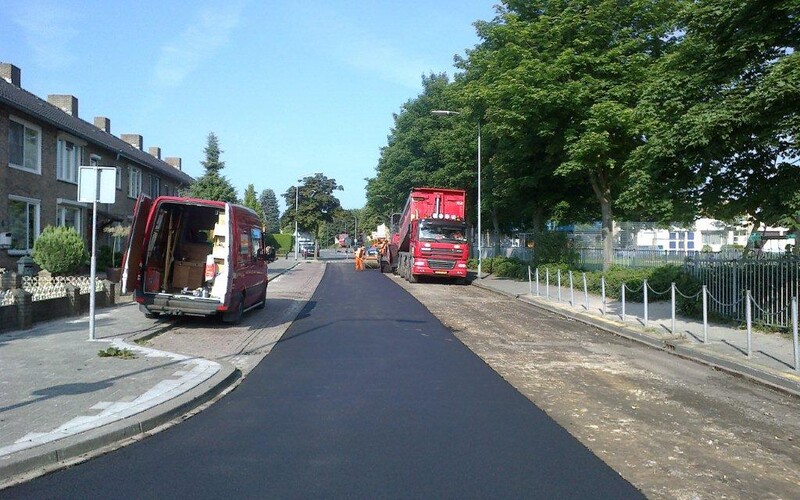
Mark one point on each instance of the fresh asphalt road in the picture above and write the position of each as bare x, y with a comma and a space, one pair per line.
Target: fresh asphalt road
366, 395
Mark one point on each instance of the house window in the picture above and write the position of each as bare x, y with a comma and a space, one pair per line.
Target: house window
23, 221
69, 216
119, 177
24, 146
134, 182
68, 158
155, 186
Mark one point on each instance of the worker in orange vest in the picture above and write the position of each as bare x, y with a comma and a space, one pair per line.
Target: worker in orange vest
359, 257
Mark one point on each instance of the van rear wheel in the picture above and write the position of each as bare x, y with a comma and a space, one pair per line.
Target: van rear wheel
235, 316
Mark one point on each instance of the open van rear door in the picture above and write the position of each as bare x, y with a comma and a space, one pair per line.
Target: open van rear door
132, 261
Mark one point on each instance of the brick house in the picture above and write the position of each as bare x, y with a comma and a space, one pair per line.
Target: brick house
42, 144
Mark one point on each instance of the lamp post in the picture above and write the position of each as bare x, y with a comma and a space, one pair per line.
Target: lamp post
442, 112
296, 234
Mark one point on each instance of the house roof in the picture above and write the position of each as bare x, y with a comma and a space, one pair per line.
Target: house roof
32, 105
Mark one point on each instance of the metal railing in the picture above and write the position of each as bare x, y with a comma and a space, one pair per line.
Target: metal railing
747, 303
771, 282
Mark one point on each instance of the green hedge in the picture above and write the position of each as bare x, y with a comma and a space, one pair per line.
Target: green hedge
282, 242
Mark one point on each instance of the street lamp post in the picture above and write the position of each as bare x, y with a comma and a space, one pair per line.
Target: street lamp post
442, 112
296, 234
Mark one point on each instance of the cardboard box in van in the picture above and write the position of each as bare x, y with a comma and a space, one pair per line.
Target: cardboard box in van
195, 257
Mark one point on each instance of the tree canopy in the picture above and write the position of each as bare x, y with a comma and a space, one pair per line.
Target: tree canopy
611, 110
269, 207
316, 203
212, 185
251, 201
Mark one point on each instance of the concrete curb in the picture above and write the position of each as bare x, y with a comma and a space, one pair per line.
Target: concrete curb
27, 464
774, 380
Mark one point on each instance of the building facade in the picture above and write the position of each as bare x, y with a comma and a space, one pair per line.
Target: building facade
42, 145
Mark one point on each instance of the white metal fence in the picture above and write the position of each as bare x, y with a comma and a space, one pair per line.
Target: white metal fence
540, 284
771, 284
592, 258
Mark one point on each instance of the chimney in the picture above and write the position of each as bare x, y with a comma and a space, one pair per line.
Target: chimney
67, 103
11, 74
134, 140
103, 123
155, 151
174, 161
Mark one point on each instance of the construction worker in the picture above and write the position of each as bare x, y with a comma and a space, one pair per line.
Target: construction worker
383, 254
359, 258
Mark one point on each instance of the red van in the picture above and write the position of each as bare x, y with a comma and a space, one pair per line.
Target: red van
195, 257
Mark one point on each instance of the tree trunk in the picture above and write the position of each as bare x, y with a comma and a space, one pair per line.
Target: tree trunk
603, 193
538, 221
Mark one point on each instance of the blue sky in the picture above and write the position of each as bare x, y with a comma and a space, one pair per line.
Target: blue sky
290, 88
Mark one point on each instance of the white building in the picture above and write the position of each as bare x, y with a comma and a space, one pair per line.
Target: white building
711, 235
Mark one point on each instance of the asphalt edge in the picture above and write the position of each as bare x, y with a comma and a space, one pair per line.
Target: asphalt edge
28, 464
763, 377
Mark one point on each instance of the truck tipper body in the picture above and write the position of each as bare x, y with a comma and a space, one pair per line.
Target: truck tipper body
431, 235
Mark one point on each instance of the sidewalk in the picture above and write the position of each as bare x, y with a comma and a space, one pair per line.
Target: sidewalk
772, 354
59, 400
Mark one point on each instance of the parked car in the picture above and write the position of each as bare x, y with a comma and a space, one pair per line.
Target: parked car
307, 251
195, 257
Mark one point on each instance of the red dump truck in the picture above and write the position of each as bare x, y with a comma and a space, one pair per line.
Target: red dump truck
431, 237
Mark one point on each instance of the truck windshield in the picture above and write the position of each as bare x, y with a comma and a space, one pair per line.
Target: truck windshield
453, 232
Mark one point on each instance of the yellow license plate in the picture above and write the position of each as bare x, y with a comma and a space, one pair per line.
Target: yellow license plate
440, 272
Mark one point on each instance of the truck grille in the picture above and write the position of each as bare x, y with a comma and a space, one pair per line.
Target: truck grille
447, 253
441, 264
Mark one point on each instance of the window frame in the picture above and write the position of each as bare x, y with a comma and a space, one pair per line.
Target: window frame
134, 176
65, 204
78, 150
37, 226
25, 126
155, 182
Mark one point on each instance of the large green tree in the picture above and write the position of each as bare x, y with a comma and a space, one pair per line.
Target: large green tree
423, 150
562, 82
212, 185
251, 201
269, 207
316, 204
724, 113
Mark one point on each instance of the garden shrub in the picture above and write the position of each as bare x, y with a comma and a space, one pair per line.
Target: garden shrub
104, 257
554, 247
60, 250
511, 268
